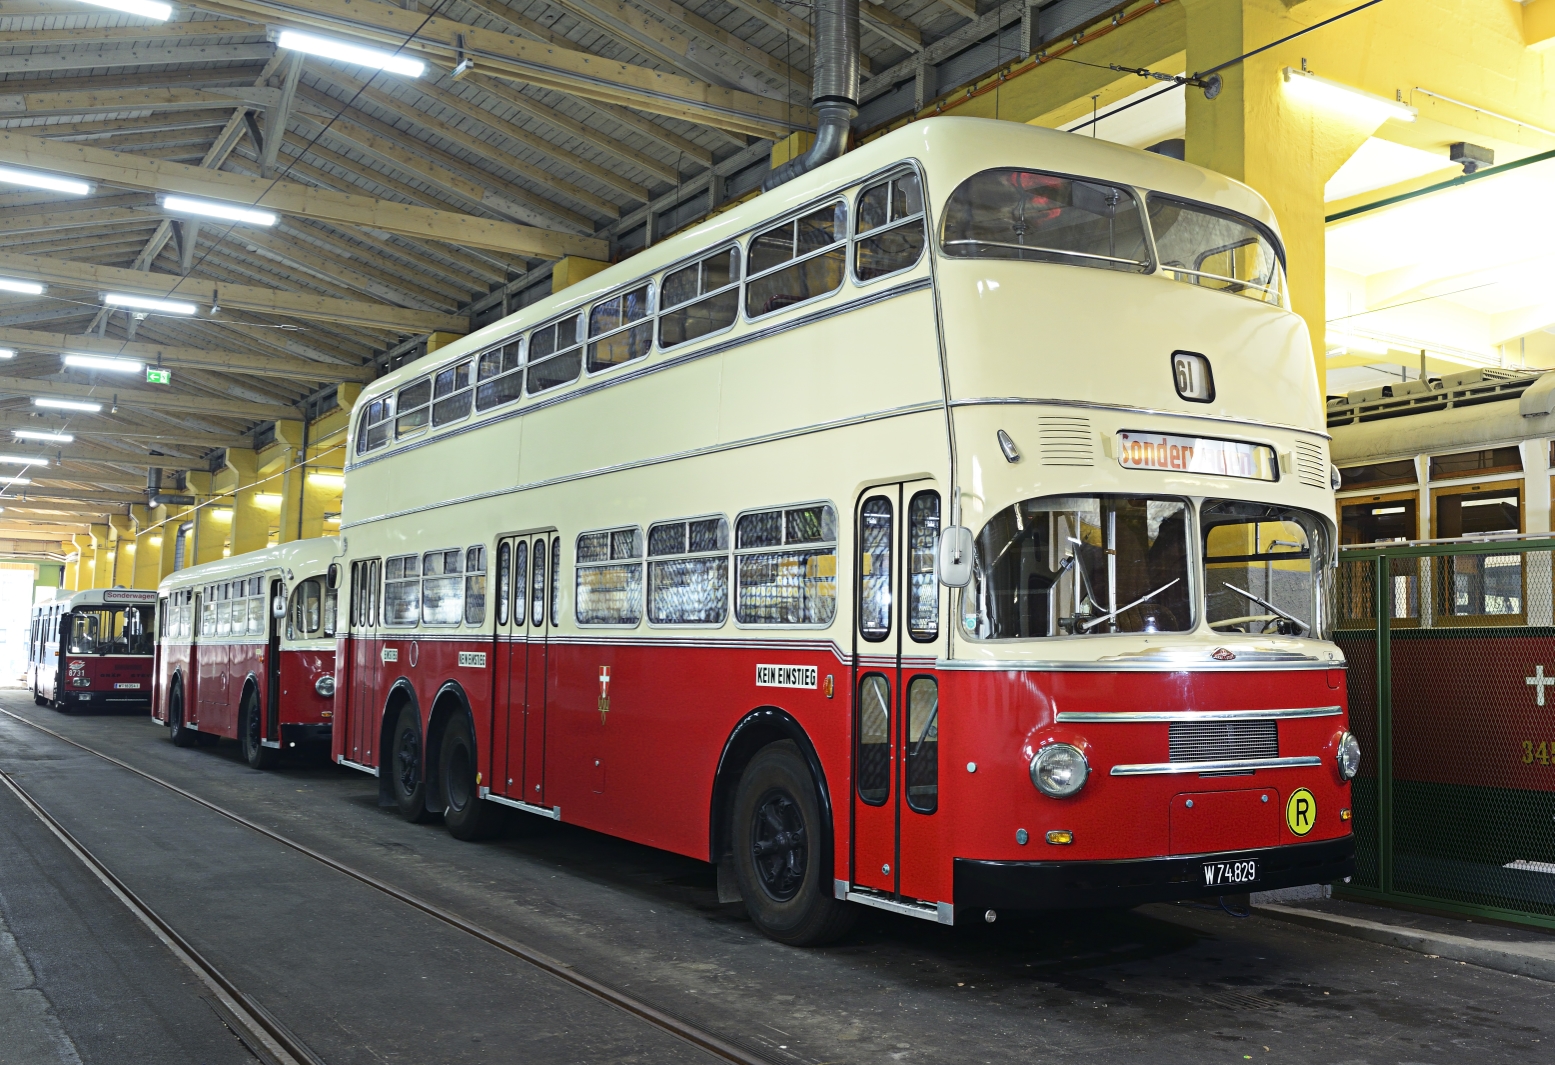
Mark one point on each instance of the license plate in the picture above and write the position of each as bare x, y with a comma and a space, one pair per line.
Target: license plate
133, 687
1234, 873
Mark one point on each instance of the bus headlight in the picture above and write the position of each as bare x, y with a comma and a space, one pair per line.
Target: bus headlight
1348, 756
1059, 770
325, 685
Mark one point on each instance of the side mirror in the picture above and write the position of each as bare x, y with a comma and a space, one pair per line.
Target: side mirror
955, 556
278, 606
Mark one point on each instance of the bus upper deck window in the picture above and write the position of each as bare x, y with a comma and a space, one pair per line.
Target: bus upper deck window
413, 407
451, 394
372, 431
891, 214
621, 328
1081, 566
1037, 217
700, 299
500, 375
797, 261
1215, 249
555, 356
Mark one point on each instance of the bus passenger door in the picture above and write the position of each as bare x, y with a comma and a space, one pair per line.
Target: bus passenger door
510, 667
273, 665
543, 552
362, 702
896, 705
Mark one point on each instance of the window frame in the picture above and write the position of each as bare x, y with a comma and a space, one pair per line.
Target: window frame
650, 319
909, 167
363, 425
383, 596
469, 361
748, 238
641, 562
734, 572
421, 615
521, 339
580, 343
727, 554
738, 285
396, 436
1225, 214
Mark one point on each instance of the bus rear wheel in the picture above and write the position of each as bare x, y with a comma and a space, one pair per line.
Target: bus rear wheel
181, 734
468, 816
251, 733
407, 777
781, 843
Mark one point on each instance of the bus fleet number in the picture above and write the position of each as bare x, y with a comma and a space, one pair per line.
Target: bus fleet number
1542, 754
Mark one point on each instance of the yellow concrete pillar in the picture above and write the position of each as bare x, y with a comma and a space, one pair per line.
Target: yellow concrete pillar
212, 519
791, 147
282, 461
434, 341
76, 563
123, 572
250, 522
572, 269
102, 562
1258, 132
147, 571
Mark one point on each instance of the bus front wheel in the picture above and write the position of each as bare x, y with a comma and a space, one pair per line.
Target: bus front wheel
251, 733
780, 850
468, 817
181, 734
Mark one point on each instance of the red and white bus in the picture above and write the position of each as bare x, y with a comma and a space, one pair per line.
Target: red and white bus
663, 555
246, 650
92, 649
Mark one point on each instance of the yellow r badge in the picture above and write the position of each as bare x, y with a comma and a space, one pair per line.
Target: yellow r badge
1300, 811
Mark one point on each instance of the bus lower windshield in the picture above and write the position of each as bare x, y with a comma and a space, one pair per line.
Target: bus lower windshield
109, 630
1266, 568
1081, 565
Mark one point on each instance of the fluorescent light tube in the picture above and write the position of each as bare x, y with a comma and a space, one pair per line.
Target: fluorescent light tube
68, 404
145, 303
26, 288
7, 353
43, 438
211, 209
332, 480
104, 362
16, 480
24, 460
144, 8
329, 48
52, 182
1335, 96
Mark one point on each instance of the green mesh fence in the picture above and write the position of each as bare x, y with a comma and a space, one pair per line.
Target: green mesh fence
1451, 652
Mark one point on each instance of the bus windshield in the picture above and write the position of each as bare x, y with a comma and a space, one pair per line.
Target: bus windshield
1214, 249
109, 630
1026, 214
1267, 568
1081, 566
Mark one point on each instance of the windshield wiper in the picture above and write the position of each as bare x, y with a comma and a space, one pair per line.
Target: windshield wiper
1089, 625
1293, 619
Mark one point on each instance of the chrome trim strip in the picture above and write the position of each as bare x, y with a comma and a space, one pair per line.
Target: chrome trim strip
928, 911
1148, 769
994, 401
369, 770
1204, 665
553, 812
1088, 718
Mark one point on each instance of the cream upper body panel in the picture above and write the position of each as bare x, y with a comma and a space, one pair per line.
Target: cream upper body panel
303, 558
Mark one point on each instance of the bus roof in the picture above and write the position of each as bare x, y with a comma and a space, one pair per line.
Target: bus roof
305, 557
96, 597
948, 149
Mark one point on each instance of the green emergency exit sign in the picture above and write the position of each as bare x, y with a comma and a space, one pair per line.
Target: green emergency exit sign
158, 377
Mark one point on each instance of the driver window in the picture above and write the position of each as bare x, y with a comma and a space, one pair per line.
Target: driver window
305, 617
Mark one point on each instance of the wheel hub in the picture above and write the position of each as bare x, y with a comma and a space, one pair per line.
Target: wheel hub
779, 846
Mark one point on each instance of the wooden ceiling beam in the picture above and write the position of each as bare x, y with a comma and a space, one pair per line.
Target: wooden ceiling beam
206, 293
127, 170
31, 493
360, 276
108, 393
53, 63
567, 69
180, 357
87, 425
167, 31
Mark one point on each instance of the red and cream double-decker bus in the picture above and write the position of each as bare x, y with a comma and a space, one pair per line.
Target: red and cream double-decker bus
92, 649
947, 531
246, 650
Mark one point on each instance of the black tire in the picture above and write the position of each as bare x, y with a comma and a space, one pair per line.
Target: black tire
181, 734
782, 851
468, 816
251, 731
40, 700
407, 772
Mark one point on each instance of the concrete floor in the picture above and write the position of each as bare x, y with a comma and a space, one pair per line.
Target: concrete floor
361, 978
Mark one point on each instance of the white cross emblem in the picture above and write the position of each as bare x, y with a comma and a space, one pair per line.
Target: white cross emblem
1539, 682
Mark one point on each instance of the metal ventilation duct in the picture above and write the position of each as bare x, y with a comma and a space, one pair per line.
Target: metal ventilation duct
834, 89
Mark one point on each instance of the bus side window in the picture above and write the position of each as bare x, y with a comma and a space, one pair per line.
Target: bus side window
874, 739
556, 580
504, 581
891, 213
475, 586
413, 404
923, 744
499, 375
922, 588
372, 430
555, 355
797, 261
876, 538
621, 328
785, 566
306, 616
609, 574
701, 299
451, 394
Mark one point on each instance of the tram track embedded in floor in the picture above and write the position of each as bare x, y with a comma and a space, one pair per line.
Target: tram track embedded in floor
255, 1017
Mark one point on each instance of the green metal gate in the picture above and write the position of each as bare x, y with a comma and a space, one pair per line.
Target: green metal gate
1451, 651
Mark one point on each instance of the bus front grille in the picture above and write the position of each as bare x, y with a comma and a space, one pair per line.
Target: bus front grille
1223, 741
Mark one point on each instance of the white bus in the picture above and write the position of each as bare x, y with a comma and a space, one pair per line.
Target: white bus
663, 555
